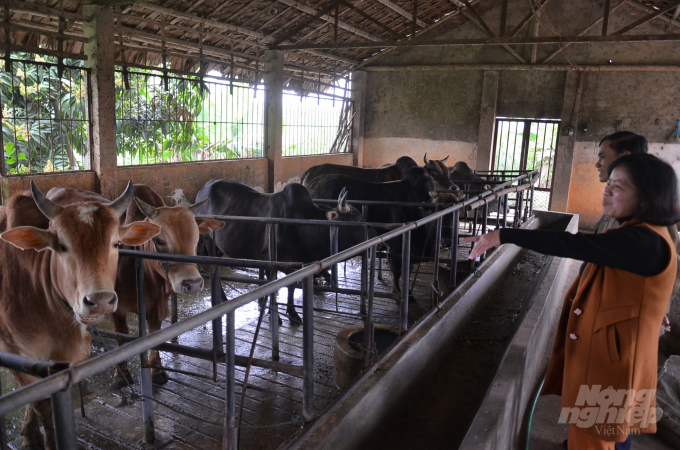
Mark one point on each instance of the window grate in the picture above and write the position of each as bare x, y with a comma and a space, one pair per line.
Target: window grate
45, 122
168, 119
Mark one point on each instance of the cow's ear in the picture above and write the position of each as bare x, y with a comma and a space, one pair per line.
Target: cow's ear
205, 226
29, 237
332, 215
138, 233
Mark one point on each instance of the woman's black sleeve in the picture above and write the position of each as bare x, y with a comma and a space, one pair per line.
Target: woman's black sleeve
636, 249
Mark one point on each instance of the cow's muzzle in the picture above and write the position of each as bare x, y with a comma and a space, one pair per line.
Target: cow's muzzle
95, 305
191, 286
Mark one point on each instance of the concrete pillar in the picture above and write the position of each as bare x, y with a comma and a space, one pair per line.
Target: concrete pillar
273, 133
359, 78
487, 121
100, 60
571, 103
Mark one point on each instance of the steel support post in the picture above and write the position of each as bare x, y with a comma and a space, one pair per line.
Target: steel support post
405, 279
505, 210
434, 298
531, 201
369, 338
308, 348
364, 277
484, 224
215, 299
454, 248
334, 250
518, 210
173, 308
3, 428
230, 433
147, 392
498, 212
273, 305
64, 422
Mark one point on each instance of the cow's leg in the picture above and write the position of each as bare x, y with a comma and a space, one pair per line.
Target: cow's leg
158, 376
119, 321
31, 430
43, 409
293, 316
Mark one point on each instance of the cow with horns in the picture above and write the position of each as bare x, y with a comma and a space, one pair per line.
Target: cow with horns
389, 172
179, 235
49, 298
418, 187
295, 243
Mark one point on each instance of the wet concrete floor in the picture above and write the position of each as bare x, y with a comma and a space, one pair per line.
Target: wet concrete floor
189, 407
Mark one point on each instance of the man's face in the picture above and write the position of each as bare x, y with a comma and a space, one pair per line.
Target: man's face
605, 157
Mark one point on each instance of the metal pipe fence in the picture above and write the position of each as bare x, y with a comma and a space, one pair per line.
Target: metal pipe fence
58, 384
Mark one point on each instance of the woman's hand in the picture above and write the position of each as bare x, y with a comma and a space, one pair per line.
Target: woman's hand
483, 243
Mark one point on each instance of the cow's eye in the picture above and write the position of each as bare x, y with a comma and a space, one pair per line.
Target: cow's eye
63, 248
116, 244
160, 242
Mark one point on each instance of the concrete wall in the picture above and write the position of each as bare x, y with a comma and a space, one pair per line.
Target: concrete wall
190, 177
438, 111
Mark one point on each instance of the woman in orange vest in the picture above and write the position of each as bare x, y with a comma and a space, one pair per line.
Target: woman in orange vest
604, 359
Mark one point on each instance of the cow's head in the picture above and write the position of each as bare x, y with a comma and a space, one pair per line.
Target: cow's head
448, 199
179, 235
348, 236
439, 172
83, 238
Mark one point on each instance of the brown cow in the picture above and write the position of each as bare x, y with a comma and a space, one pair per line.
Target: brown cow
48, 299
179, 235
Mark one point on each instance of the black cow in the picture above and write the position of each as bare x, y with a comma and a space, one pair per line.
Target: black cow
295, 243
386, 173
418, 187
462, 173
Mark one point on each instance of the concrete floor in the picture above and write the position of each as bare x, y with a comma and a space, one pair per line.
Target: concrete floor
547, 433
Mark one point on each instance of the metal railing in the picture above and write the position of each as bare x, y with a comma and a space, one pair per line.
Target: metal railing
58, 384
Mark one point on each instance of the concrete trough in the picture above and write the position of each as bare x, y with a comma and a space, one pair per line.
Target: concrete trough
360, 412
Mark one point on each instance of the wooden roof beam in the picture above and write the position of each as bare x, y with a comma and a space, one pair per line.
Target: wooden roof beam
646, 8
402, 12
647, 18
528, 18
208, 22
370, 18
325, 17
305, 23
587, 29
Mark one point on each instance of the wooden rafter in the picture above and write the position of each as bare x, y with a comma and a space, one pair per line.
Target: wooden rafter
605, 17
642, 7
647, 18
402, 12
342, 24
478, 17
309, 20
528, 18
368, 17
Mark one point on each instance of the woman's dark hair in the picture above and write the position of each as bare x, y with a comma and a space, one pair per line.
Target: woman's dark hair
656, 185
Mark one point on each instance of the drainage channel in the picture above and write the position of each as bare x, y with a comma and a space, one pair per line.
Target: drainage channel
440, 411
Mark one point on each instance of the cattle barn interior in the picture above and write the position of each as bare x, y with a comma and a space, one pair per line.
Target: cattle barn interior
404, 342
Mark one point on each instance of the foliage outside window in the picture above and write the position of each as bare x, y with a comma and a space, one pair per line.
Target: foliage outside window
315, 125
175, 119
44, 119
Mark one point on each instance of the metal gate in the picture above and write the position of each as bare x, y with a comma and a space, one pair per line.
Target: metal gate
528, 144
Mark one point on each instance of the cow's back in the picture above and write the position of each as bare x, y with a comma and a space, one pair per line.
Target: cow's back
233, 198
380, 175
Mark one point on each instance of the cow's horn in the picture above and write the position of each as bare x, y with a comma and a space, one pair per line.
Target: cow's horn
46, 206
146, 209
445, 159
119, 205
198, 207
425, 159
342, 202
